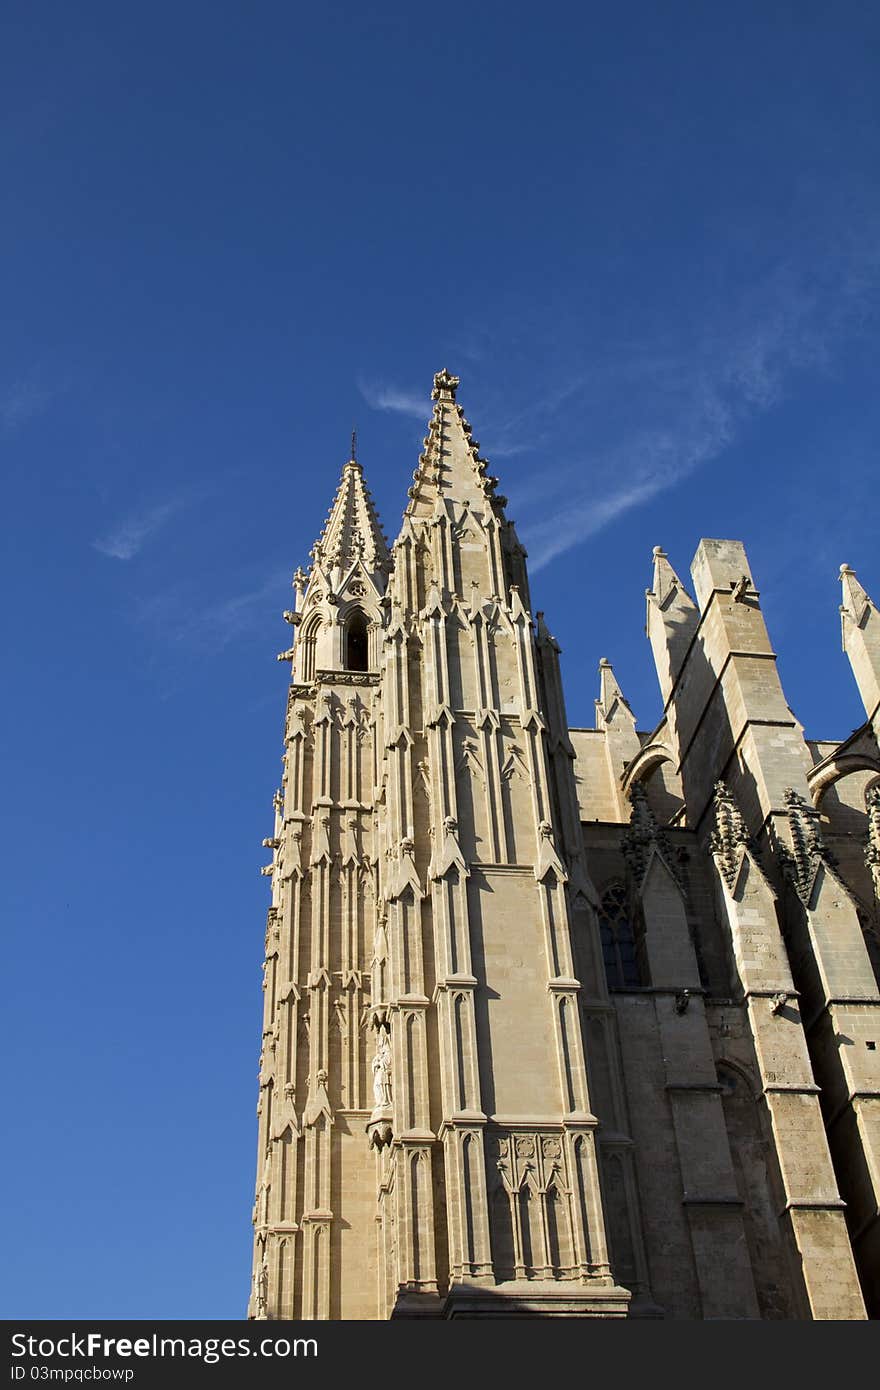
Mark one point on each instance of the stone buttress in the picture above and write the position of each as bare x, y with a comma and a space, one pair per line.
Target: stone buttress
797, 957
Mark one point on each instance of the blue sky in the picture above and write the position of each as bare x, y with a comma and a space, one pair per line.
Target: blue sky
648, 240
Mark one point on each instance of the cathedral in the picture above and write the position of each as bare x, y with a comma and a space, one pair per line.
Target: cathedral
560, 1022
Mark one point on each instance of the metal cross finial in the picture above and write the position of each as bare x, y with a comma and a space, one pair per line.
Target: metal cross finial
354, 445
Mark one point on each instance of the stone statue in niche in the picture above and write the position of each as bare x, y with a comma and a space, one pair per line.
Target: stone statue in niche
382, 1072
261, 1290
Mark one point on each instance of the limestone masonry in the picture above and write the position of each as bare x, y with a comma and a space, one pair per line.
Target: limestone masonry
560, 1022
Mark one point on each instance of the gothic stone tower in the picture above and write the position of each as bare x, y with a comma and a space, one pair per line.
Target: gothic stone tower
427, 1142
553, 1017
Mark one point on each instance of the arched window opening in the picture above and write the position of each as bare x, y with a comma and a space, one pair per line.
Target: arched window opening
356, 642
309, 641
618, 939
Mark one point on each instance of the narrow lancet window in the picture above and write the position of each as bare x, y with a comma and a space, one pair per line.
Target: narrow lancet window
309, 642
356, 642
618, 939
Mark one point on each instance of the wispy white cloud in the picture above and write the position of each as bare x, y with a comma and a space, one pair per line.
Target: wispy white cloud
128, 537
386, 397
664, 458
691, 400
20, 402
185, 615
506, 448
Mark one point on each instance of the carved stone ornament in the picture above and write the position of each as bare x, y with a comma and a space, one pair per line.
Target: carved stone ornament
380, 1133
643, 838
872, 846
347, 678
739, 588
547, 858
318, 1102
445, 386
808, 851
730, 835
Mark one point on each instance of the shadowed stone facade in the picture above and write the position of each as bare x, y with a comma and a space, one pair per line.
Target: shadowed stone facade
560, 1022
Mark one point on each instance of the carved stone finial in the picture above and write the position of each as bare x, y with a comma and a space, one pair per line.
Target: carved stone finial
730, 834
300, 579
445, 386
808, 850
643, 837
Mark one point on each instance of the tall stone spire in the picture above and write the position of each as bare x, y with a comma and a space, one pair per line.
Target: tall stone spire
453, 492
451, 466
344, 586
352, 531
